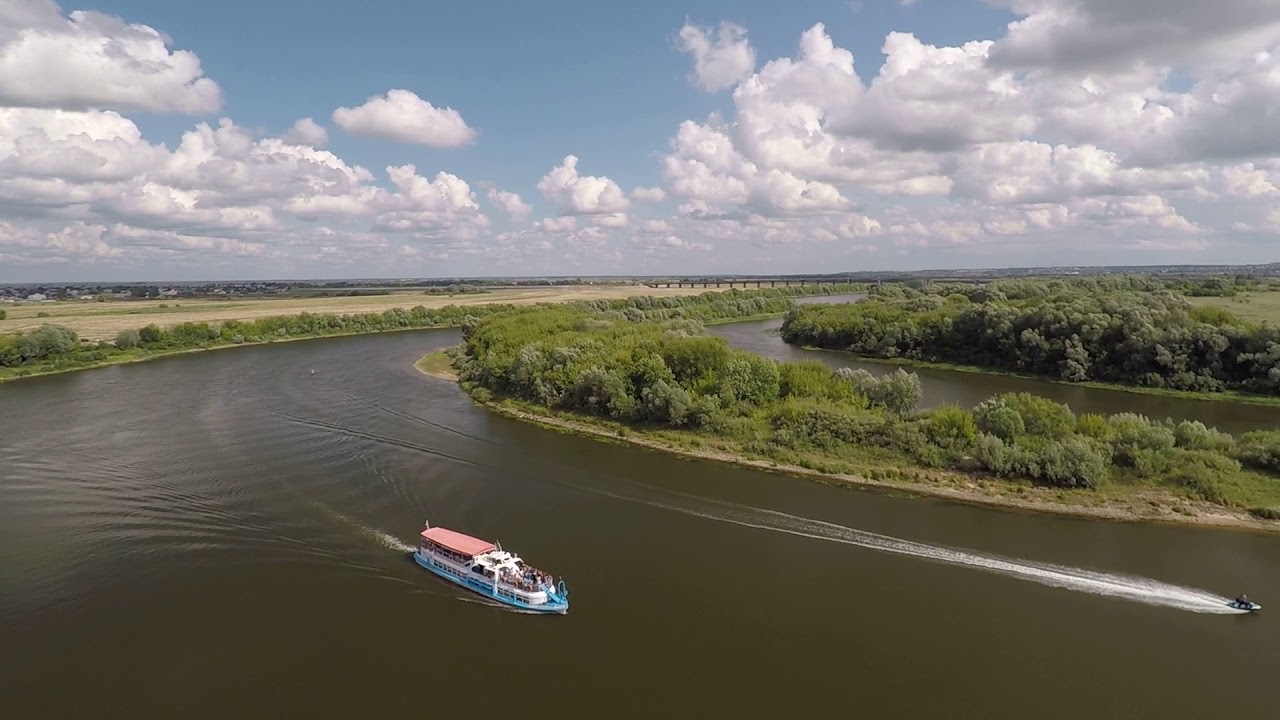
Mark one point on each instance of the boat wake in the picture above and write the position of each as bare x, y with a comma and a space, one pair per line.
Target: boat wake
1137, 589
340, 430
386, 539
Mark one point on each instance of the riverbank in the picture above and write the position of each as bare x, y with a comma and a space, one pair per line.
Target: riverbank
438, 365
138, 355
1115, 334
52, 349
1116, 503
1153, 505
1224, 396
103, 320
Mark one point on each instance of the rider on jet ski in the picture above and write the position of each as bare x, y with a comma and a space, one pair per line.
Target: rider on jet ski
1243, 600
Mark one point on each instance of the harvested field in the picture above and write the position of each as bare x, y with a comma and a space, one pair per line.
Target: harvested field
101, 321
1252, 307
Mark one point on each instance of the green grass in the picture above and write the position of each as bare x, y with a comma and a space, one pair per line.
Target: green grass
1251, 307
437, 364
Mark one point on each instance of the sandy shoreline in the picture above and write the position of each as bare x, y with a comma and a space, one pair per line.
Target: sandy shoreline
436, 365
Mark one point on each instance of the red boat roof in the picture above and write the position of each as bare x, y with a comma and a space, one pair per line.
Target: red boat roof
457, 542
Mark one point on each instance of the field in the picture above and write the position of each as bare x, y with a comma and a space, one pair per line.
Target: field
1253, 307
101, 321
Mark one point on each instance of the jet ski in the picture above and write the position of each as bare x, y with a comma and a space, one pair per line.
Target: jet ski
1246, 605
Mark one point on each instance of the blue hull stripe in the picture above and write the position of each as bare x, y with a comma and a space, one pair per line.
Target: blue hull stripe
486, 589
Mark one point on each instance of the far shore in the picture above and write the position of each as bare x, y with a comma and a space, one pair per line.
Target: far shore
1225, 396
146, 356
102, 320
136, 356
1146, 506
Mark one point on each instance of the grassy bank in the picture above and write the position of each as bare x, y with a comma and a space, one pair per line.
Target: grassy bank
438, 364
886, 474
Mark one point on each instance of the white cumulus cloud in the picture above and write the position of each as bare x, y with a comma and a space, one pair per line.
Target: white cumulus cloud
307, 132
576, 194
510, 203
721, 58
92, 60
402, 116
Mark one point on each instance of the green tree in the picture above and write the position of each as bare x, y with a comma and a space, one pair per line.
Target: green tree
129, 338
952, 428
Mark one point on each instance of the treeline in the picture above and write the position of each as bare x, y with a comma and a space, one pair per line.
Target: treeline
1119, 330
712, 307
457, 289
667, 374
52, 348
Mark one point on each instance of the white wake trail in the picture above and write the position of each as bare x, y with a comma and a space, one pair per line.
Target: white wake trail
1136, 589
385, 539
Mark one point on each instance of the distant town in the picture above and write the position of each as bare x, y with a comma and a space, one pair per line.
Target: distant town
125, 291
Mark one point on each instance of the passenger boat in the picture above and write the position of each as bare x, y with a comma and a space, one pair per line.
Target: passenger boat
485, 568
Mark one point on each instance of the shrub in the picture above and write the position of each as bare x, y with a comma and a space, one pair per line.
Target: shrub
952, 428
1140, 443
1200, 482
1266, 513
898, 392
1073, 463
821, 424
1041, 416
42, 314
126, 339
665, 403
1194, 435
1092, 425
151, 334
996, 418
600, 392
993, 454
1260, 449
1201, 473
47, 342
752, 379
741, 429
812, 379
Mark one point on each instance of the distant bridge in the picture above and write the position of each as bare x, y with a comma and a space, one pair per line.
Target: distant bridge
800, 280
737, 282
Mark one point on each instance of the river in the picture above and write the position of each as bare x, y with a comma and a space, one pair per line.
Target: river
967, 389
224, 535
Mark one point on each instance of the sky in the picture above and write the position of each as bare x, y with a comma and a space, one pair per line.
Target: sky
152, 139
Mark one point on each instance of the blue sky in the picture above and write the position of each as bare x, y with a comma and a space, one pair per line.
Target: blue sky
1001, 133
538, 80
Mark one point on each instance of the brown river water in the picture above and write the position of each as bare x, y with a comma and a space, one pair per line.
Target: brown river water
224, 535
